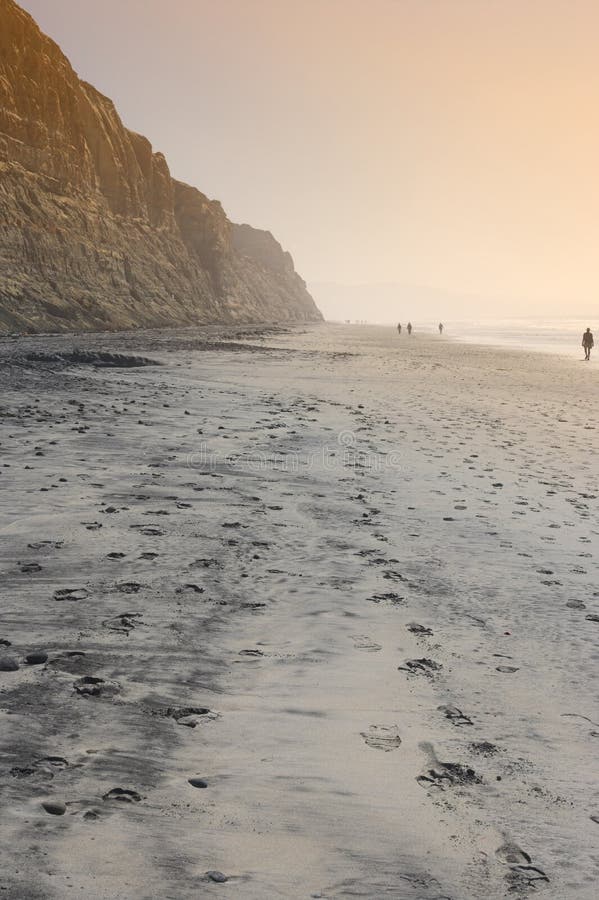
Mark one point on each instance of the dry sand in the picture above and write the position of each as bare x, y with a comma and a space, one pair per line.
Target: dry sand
347, 586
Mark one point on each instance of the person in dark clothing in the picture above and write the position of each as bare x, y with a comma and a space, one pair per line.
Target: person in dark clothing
440, 327
588, 342
399, 327
409, 328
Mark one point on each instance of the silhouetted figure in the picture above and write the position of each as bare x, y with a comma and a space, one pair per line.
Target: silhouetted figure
588, 342
409, 328
440, 327
399, 327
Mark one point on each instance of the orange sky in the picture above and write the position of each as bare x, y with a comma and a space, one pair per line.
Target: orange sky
452, 143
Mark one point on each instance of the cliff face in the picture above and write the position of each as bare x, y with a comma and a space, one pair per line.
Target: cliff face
94, 231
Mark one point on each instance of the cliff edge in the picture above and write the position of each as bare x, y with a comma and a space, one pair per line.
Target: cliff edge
95, 234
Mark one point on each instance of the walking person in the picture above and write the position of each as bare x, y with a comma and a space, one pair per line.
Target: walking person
440, 327
409, 328
588, 342
399, 327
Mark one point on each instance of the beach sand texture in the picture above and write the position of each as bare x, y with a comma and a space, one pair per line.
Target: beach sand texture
315, 618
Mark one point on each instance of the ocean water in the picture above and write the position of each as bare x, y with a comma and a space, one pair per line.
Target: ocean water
561, 336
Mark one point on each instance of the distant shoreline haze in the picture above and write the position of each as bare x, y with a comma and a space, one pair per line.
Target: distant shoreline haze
383, 302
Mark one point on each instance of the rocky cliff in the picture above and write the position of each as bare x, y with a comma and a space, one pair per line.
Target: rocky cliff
94, 231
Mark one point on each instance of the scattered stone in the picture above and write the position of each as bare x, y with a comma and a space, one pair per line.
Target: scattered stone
8, 664
36, 658
55, 807
217, 877
198, 782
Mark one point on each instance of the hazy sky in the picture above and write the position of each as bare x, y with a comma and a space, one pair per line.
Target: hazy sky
452, 143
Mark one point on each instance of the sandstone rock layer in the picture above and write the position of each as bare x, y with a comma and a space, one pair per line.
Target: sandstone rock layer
94, 231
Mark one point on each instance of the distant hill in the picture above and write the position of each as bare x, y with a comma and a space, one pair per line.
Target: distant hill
94, 231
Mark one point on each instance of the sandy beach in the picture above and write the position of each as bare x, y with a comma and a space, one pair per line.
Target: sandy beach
313, 614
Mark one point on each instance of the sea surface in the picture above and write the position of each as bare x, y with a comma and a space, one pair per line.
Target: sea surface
561, 336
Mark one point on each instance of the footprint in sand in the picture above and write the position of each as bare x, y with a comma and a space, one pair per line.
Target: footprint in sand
71, 594
42, 769
124, 623
42, 545
441, 775
388, 598
455, 715
382, 737
363, 642
90, 686
190, 716
522, 873
70, 661
421, 630
128, 587
423, 666
123, 795
30, 568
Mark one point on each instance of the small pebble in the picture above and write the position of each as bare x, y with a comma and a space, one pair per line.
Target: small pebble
36, 659
198, 783
55, 807
8, 664
218, 877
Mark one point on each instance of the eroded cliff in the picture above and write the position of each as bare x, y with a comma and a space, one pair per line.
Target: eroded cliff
94, 231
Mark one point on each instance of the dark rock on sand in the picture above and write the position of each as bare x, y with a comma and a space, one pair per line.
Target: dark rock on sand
101, 358
37, 658
55, 807
217, 877
198, 782
8, 664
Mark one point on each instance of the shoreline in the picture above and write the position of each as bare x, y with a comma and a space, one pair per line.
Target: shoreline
214, 337
269, 548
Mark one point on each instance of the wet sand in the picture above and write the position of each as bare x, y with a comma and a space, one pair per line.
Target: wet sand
320, 613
